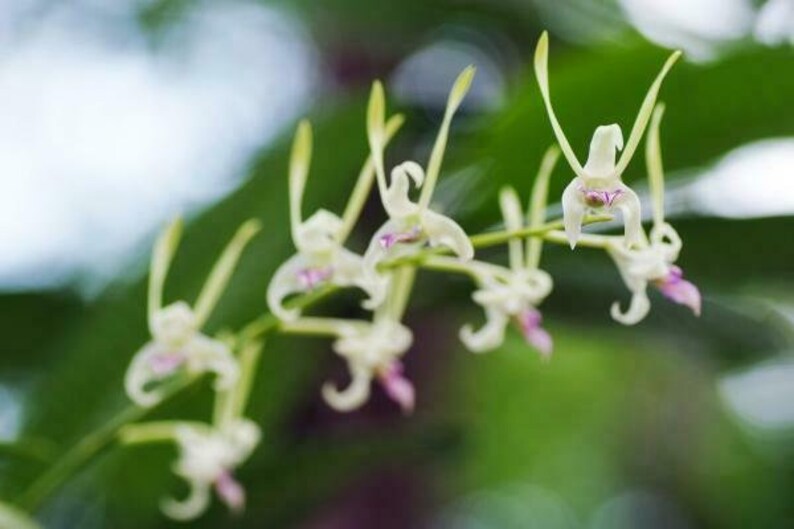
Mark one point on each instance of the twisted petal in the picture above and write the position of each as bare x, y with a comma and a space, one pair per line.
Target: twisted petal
318, 234
353, 396
285, 282
349, 270
489, 336
192, 506
607, 140
629, 204
443, 231
143, 370
638, 308
666, 239
573, 210
396, 201
206, 354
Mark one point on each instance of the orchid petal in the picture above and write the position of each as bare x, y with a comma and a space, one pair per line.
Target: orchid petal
398, 387
537, 204
638, 308
222, 271
542, 74
376, 133
644, 115
459, 90
208, 355
298, 172
397, 202
353, 396
162, 255
607, 139
573, 211
489, 336
358, 196
678, 290
513, 219
443, 231
629, 204
192, 506
231, 492
284, 283
139, 374
653, 161
664, 237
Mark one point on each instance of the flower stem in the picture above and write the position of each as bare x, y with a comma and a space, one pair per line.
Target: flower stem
89, 447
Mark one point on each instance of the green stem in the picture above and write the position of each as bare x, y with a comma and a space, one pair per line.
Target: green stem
87, 448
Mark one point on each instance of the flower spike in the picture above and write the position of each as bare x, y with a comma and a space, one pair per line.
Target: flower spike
597, 185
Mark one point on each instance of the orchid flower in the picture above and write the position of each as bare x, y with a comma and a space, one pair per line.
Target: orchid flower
514, 293
411, 224
177, 343
372, 351
598, 185
653, 262
208, 457
322, 259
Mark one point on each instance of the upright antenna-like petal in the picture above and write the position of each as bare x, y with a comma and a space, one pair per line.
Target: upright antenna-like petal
542, 74
222, 271
364, 183
644, 115
456, 95
162, 256
376, 133
537, 204
298, 172
511, 213
653, 161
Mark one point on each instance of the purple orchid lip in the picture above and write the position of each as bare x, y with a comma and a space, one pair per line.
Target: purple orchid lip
530, 321
598, 198
230, 491
390, 239
165, 363
310, 278
678, 290
398, 387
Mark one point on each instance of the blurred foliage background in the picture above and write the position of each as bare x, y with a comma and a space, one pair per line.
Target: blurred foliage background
674, 423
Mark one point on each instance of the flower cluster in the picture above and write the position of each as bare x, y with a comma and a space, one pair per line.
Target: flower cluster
415, 235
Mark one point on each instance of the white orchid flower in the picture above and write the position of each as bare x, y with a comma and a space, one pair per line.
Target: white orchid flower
598, 185
514, 293
653, 261
411, 224
208, 457
177, 343
322, 258
372, 350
